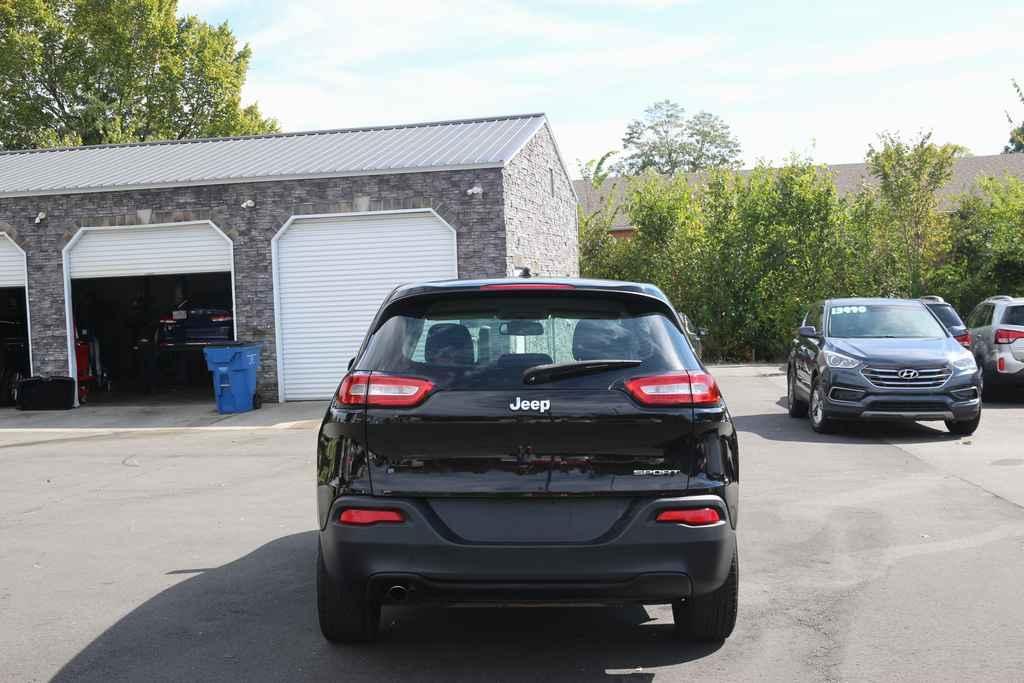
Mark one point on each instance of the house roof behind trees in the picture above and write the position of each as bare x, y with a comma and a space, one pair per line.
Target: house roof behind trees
849, 178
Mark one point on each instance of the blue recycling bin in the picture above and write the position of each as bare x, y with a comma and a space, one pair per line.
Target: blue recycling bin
234, 367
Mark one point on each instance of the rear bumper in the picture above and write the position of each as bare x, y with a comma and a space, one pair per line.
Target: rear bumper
850, 396
643, 561
1007, 369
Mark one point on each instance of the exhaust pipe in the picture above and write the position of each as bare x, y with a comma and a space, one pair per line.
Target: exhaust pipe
397, 594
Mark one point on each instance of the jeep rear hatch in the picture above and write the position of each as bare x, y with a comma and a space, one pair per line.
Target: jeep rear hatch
500, 393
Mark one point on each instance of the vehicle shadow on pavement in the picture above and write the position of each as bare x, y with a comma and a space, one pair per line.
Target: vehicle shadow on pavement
255, 619
779, 426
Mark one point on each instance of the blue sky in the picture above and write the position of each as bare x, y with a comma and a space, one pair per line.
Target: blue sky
816, 78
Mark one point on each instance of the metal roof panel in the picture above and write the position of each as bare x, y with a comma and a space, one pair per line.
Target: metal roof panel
472, 143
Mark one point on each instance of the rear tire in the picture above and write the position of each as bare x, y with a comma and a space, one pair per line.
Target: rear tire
346, 615
820, 422
796, 407
710, 617
963, 427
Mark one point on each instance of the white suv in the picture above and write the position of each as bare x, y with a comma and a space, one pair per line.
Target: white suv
997, 340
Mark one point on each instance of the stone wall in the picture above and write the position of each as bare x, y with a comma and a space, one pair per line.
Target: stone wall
540, 211
477, 219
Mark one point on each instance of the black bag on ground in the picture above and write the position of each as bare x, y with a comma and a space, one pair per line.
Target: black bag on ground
46, 393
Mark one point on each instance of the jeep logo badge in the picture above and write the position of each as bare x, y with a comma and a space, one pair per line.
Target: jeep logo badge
520, 404
908, 373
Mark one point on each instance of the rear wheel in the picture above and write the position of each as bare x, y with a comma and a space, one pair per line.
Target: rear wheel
820, 422
346, 614
713, 616
963, 427
797, 407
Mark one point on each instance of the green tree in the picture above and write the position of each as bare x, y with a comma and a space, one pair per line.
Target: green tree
711, 143
596, 171
596, 243
909, 174
1016, 143
666, 141
987, 253
778, 239
109, 71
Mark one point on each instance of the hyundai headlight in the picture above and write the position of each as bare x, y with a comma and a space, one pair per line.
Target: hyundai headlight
838, 360
965, 364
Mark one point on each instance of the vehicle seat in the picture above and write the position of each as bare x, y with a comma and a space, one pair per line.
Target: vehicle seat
602, 340
449, 344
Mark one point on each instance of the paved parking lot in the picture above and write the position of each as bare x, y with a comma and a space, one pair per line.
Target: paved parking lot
187, 553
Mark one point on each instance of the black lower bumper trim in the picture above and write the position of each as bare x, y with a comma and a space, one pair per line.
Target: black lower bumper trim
653, 588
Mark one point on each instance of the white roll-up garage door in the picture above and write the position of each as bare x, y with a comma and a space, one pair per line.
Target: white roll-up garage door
149, 250
331, 275
12, 263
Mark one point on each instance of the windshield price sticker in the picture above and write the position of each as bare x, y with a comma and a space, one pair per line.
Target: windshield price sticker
839, 310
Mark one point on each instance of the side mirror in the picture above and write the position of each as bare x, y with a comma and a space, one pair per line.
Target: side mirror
702, 332
808, 331
351, 362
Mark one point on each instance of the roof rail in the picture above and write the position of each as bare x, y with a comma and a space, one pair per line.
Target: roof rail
1000, 297
932, 299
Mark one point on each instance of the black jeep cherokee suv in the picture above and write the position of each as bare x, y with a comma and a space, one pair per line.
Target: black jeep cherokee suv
538, 441
883, 359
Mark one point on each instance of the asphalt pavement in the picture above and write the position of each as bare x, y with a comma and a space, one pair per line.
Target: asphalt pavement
141, 547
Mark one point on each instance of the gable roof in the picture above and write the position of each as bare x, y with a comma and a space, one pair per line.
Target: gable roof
849, 178
436, 146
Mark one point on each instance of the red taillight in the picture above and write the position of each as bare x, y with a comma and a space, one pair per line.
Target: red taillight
676, 388
964, 339
220, 318
372, 390
1008, 336
361, 517
535, 286
1001, 364
691, 516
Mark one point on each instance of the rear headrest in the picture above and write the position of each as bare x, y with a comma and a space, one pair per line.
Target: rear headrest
602, 339
449, 344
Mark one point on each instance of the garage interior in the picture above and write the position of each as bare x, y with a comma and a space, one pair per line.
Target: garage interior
14, 356
143, 336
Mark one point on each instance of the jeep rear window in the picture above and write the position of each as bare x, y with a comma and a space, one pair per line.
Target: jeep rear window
475, 341
1014, 315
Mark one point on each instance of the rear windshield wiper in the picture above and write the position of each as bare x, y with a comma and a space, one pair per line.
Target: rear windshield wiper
539, 374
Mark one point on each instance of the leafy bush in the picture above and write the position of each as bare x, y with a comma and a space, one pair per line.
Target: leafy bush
745, 254
986, 243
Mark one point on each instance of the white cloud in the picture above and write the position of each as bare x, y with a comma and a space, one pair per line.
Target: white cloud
320, 64
583, 141
629, 4
201, 8
966, 111
877, 56
352, 33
